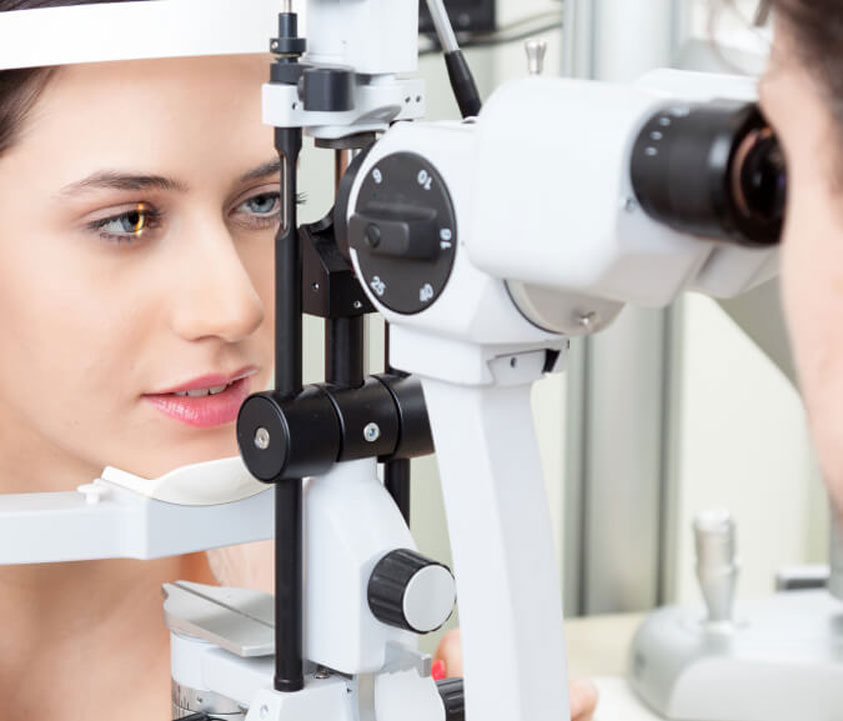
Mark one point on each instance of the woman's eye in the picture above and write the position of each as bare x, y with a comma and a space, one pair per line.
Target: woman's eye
128, 226
265, 204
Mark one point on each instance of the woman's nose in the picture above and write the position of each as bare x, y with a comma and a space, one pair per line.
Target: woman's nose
215, 296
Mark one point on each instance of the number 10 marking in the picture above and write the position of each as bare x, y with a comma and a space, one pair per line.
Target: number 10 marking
425, 180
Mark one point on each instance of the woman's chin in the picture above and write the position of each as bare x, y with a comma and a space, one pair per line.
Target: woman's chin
156, 464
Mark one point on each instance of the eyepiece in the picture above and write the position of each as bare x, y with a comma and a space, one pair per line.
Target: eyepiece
714, 170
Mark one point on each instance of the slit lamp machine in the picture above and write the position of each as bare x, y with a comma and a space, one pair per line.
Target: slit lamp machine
486, 245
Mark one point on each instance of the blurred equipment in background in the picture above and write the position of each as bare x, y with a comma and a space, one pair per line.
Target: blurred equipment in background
774, 658
467, 16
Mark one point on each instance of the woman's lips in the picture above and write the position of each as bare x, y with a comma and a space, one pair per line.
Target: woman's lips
203, 411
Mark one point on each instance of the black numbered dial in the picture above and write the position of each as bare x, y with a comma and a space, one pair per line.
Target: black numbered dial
405, 233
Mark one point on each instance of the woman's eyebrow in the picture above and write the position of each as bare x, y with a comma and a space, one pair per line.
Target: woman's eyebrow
273, 167
113, 180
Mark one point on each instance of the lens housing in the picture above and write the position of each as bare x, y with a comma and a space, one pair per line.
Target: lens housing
714, 170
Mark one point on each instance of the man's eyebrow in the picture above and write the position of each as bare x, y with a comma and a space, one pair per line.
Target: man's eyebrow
113, 180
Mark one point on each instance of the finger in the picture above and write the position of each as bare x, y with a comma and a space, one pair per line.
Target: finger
583, 695
450, 651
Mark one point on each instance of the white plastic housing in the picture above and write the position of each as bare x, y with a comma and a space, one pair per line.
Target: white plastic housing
543, 196
350, 523
554, 204
374, 37
107, 32
474, 319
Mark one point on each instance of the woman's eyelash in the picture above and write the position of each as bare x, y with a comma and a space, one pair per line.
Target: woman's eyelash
137, 222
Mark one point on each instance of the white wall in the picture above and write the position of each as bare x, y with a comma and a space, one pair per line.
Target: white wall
743, 445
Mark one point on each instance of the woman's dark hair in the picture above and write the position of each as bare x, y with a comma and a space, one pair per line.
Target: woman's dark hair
19, 89
817, 26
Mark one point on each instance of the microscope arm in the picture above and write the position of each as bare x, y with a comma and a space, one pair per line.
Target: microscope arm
499, 526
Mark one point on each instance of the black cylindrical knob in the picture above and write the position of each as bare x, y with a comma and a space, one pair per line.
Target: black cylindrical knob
288, 438
409, 591
452, 693
329, 90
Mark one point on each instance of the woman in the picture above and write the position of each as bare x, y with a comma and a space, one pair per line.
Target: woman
138, 207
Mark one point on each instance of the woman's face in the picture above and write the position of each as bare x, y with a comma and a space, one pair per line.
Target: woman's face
137, 217
812, 266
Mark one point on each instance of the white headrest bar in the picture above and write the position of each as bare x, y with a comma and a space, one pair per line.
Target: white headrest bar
136, 30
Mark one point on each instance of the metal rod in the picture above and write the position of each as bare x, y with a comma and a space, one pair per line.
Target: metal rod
442, 23
345, 344
289, 675
345, 351
397, 482
396, 474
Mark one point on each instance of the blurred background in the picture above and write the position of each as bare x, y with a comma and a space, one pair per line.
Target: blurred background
669, 412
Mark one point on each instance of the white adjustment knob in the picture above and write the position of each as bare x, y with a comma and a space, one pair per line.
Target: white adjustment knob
717, 566
409, 591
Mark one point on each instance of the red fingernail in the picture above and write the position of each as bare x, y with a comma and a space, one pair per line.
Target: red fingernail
438, 670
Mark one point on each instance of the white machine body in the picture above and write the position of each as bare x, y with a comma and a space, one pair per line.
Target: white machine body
340, 32
552, 213
579, 228
357, 667
350, 523
378, 41
781, 659
549, 243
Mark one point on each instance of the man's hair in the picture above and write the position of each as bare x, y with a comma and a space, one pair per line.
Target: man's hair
817, 26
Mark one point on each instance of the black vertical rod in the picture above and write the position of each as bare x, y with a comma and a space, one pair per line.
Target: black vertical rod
397, 473
289, 562
345, 344
397, 482
344, 351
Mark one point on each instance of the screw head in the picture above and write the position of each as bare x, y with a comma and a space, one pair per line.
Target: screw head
588, 320
372, 432
373, 236
262, 439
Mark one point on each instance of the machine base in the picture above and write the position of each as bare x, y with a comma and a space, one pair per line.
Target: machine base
781, 660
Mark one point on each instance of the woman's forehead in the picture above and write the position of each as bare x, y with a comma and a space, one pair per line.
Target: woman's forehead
185, 115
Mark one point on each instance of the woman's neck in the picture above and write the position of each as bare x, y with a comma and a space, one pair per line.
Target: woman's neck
79, 639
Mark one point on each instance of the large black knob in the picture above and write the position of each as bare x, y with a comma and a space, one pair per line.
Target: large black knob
404, 230
409, 591
398, 231
452, 693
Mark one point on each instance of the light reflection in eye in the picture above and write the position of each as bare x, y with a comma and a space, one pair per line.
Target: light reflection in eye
129, 226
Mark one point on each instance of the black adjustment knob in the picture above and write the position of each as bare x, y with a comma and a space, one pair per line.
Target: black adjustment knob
401, 230
452, 693
398, 231
409, 591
